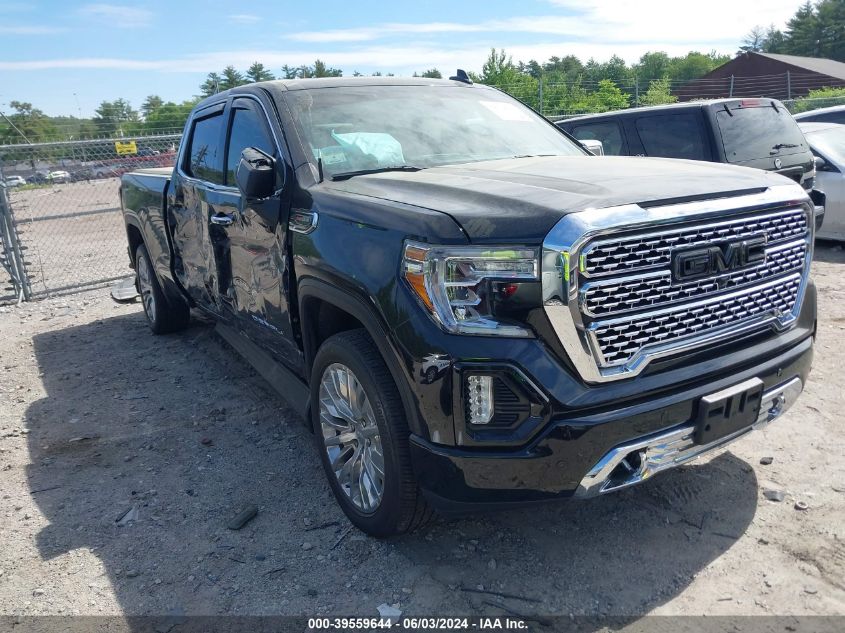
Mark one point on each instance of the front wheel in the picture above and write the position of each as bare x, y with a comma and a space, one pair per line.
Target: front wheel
362, 435
162, 315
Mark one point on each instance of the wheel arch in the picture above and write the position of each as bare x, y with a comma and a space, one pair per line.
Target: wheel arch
134, 237
326, 310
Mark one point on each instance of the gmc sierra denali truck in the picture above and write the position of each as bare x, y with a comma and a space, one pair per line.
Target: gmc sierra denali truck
467, 308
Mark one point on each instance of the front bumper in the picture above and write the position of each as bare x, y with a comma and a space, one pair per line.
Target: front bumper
634, 462
576, 455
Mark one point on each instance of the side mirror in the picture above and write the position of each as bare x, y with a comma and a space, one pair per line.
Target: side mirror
256, 174
593, 146
821, 163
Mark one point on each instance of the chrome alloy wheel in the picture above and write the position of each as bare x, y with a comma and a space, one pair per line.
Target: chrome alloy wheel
145, 286
351, 437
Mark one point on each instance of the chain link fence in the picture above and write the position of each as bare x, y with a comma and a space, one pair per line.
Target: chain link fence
561, 100
60, 213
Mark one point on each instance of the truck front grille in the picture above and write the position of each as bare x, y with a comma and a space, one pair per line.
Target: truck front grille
621, 340
617, 298
644, 252
624, 295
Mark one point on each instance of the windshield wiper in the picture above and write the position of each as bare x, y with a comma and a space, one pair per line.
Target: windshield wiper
378, 170
784, 146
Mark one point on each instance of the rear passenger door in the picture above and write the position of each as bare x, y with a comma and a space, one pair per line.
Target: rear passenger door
670, 135
609, 132
196, 196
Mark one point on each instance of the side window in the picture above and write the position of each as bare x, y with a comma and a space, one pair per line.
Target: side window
608, 132
206, 155
672, 136
248, 130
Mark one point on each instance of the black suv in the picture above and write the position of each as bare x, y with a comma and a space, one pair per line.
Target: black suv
757, 133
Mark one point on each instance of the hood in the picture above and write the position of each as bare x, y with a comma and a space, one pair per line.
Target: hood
520, 200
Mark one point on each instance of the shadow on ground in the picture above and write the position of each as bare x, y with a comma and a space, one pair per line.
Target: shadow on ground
181, 432
829, 251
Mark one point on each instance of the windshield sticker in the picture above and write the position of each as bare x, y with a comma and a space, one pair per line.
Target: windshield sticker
506, 111
332, 155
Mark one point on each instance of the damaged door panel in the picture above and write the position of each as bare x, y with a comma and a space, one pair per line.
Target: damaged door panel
253, 270
193, 201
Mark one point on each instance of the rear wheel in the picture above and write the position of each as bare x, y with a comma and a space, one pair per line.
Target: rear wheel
362, 436
162, 315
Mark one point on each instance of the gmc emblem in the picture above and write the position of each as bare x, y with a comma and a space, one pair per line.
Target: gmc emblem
718, 259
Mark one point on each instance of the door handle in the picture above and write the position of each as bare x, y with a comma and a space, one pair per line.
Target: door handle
222, 220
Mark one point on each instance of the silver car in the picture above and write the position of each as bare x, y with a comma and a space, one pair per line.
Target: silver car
827, 142
15, 181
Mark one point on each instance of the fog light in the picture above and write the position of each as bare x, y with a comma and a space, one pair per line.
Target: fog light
480, 399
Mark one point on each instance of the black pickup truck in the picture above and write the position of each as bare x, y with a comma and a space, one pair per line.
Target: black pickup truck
467, 308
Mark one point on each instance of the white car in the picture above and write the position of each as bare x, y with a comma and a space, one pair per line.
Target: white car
15, 181
58, 176
827, 142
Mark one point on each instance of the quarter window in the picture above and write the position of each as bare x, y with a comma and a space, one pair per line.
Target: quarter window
206, 156
607, 132
672, 136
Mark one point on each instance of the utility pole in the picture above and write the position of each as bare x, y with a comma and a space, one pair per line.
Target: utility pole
540, 94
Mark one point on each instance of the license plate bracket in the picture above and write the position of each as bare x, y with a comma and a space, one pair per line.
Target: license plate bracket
725, 412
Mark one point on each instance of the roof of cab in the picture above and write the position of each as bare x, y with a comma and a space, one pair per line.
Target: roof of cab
283, 85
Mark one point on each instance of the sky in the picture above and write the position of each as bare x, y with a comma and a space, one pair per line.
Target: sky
66, 57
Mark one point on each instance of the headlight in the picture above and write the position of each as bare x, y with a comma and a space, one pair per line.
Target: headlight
460, 286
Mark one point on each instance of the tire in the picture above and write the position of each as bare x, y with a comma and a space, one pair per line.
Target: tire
401, 507
163, 316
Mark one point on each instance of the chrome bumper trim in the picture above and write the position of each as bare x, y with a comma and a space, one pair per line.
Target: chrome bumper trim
673, 448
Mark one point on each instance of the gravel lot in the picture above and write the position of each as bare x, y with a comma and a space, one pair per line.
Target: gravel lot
99, 418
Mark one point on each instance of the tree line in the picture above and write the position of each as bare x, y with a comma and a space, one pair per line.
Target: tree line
569, 85
816, 30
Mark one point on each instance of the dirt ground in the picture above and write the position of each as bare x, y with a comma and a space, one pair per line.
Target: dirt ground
124, 455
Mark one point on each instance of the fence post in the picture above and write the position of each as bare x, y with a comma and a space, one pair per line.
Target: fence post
540, 95
731, 93
788, 85
636, 91
11, 246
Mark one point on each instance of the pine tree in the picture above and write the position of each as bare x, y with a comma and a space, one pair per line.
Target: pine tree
231, 78
211, 85
257, 72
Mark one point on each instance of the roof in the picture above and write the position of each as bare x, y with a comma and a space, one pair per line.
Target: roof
808, 127
283, 85
809, 113
347, 82
820, 65
666, 106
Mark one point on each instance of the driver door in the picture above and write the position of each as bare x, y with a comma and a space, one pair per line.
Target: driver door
255, 263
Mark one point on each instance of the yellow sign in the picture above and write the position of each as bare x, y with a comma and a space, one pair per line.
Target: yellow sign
125, 149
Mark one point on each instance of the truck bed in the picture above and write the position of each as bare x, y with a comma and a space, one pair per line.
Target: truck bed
143, 193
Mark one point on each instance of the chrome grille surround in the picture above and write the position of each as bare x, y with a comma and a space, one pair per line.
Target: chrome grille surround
612, 321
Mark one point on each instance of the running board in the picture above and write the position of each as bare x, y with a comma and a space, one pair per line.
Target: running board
285, 382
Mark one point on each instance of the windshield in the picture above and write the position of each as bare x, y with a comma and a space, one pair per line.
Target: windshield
355, 129
830, 143
758, 132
